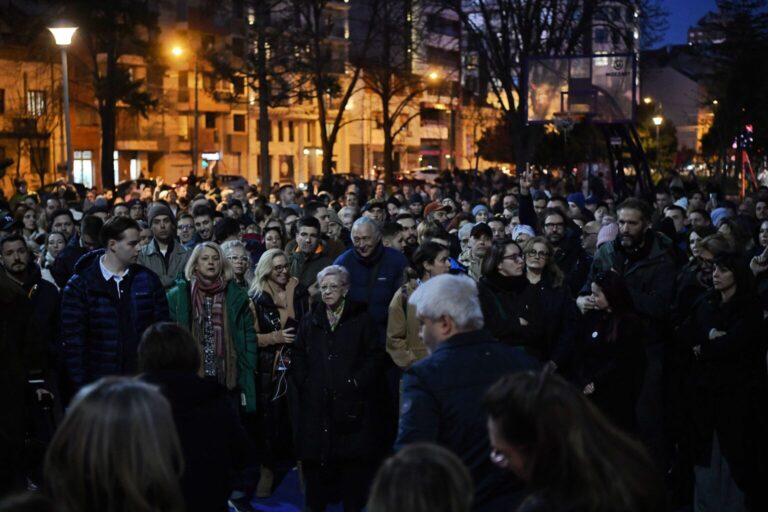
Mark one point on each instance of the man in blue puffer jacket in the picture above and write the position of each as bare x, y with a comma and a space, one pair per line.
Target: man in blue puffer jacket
375, 272
107, 305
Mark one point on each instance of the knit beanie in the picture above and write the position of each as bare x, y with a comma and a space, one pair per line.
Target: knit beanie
159, 209
608, 233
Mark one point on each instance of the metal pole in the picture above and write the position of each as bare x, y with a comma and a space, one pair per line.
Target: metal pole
196, 125
658, 149
67, 121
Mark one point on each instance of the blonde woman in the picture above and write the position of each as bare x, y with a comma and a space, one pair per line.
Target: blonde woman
218, 313
280, 303
116, 450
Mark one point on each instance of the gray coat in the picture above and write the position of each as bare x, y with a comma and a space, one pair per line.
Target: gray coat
151, 257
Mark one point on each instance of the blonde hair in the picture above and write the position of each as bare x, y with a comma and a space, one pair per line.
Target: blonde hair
551, 269
229, 246
226, 266
263, 268
116, 450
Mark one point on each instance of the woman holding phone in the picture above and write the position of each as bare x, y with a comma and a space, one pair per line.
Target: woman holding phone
280, 302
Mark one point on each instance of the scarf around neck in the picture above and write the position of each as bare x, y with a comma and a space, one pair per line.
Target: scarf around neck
226, 357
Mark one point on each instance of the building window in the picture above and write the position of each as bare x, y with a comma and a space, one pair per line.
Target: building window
183, 86
238, 122
35, 103
601, 36
238, 84
290, 131
210, 120
2, 101
280, 131
82, 168
238, 47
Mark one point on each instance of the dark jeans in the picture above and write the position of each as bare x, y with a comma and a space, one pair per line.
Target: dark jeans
334, 481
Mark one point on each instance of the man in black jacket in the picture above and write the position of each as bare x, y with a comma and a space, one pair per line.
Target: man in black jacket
441, 398
107, 304
569, 255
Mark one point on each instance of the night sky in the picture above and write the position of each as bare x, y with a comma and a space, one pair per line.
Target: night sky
683, 14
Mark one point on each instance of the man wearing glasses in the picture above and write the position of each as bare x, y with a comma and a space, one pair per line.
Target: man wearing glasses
569, 255
164, 255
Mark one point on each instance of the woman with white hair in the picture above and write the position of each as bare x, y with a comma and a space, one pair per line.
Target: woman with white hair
280, 303
209, 303
336, 363
238, 257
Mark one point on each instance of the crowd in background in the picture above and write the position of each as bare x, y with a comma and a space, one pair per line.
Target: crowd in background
482, 342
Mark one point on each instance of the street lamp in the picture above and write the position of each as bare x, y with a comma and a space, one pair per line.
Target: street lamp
178, 51
657, 120
63, 37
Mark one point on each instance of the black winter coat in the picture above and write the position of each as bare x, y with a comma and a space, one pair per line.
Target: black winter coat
724, 378
504, 302
64, 265
100, 331
558, 308
611, 355
213, 441
333, 375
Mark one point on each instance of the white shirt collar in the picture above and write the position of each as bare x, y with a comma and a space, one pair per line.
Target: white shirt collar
108, 274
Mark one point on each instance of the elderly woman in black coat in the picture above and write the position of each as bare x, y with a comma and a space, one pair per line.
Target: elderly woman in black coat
336, 361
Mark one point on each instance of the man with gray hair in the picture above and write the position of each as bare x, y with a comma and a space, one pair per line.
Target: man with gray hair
375, 271
441, 394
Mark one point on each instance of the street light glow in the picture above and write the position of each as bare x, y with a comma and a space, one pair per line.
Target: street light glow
434, 75
647, 100
177, 51
657, 120
715, 102
63, 35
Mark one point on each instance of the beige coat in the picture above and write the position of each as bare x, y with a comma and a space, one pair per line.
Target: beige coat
403, 343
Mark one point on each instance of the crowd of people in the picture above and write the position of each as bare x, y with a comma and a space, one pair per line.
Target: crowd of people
482, 342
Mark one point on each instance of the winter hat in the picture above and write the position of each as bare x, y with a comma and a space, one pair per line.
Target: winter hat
416, 198
682, 202
522, 229
478, 208
608, 233
465, 230
718, 214
578, 198
159, 209
434, 206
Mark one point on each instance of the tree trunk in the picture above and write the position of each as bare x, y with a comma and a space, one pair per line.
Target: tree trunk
389, 164
107, 114
265, 173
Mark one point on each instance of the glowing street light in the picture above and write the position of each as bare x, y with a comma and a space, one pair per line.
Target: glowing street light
63, 38
657, 120
647, 100
434, 75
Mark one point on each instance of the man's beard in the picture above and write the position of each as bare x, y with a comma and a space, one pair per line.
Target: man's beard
629, 242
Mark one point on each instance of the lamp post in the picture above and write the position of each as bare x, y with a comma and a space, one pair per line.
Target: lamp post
178, 51
63, 37
657, 120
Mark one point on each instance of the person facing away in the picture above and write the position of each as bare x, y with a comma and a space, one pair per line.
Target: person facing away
116, 450
107, 304
422, 477
441, 394
213, 442
546, 432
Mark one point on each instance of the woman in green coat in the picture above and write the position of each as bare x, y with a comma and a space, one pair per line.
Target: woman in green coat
219, 315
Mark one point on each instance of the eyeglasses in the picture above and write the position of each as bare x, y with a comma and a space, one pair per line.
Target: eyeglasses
498, 458
280, 268
239, 258
513, 257
330, 288
537, 254
185, 227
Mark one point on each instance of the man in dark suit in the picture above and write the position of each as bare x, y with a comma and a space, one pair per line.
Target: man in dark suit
441, 398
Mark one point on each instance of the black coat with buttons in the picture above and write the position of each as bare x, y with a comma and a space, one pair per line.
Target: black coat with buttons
333, 375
